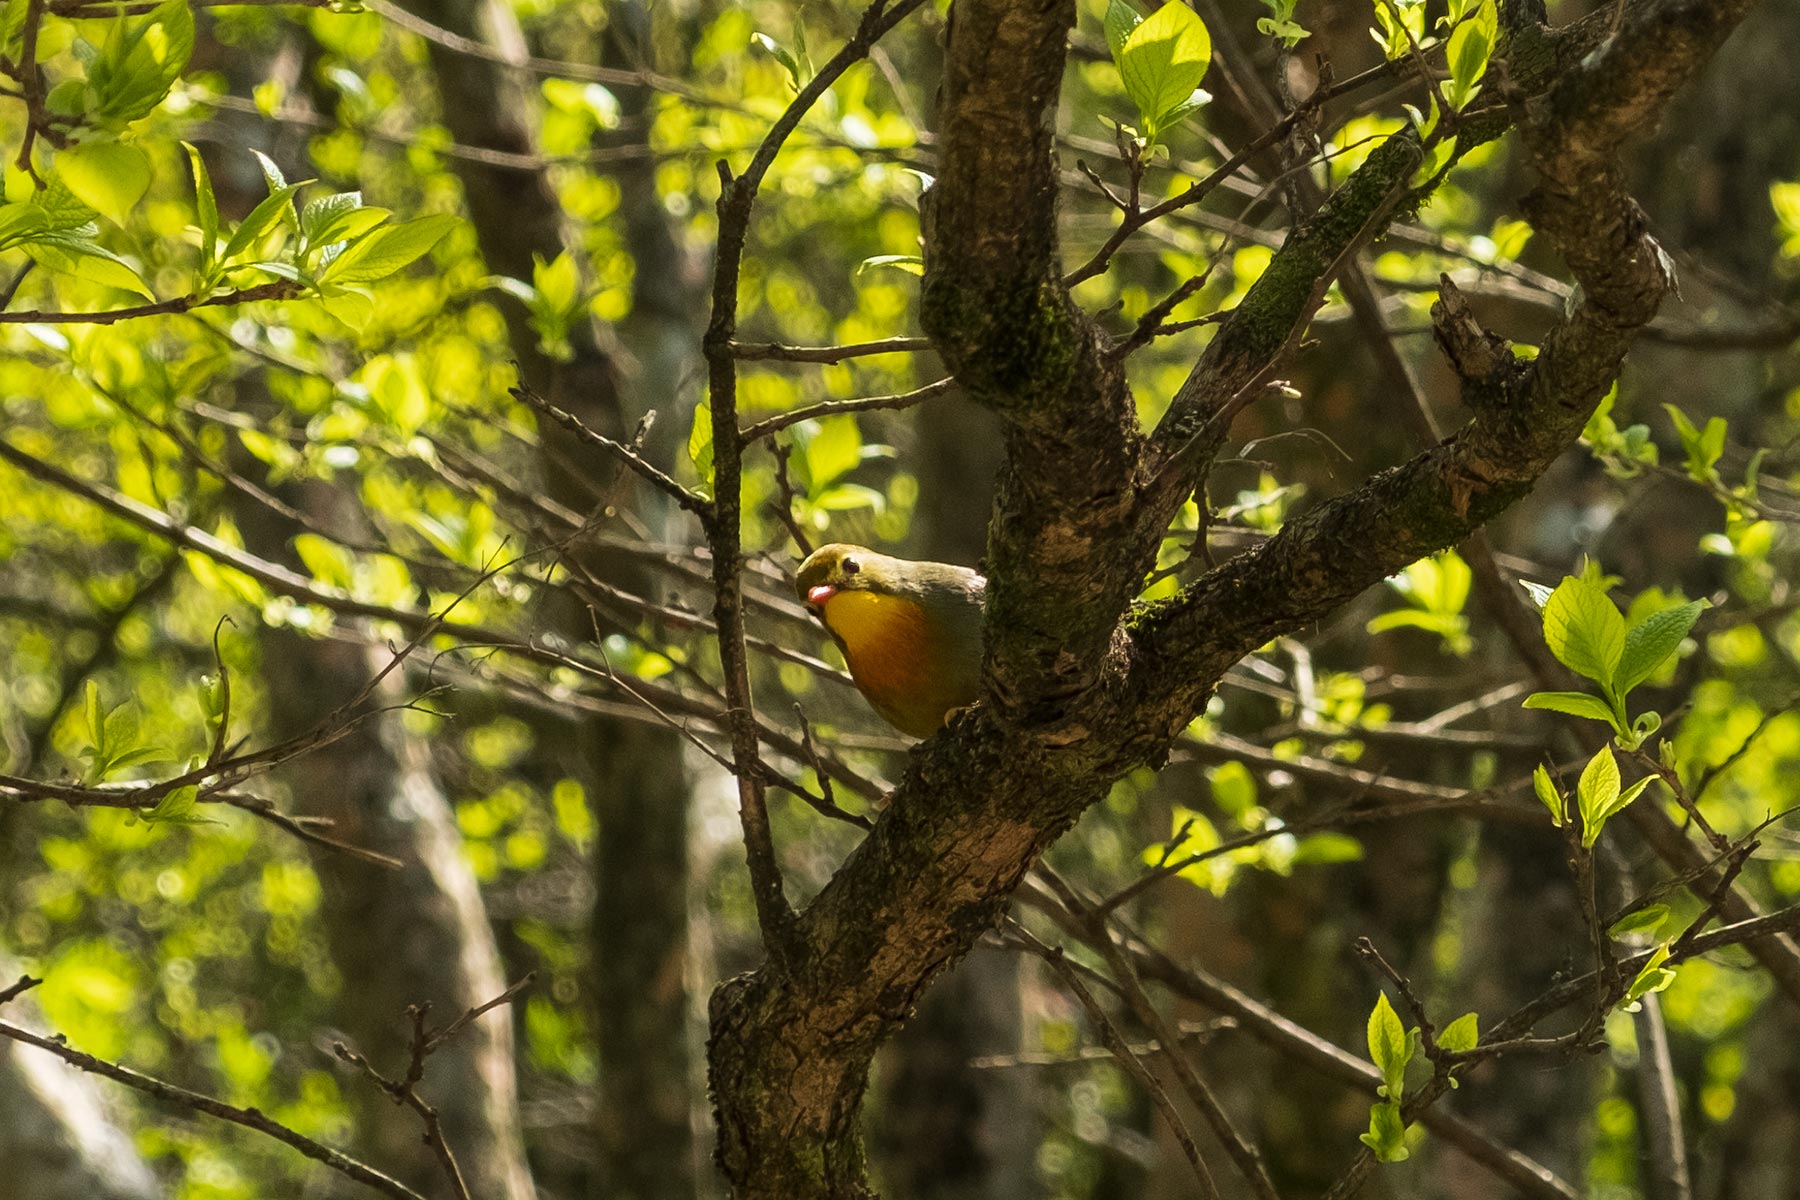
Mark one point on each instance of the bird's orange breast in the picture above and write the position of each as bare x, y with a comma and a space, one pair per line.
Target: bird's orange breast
897, 658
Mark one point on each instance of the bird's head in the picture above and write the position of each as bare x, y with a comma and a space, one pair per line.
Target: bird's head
837, 568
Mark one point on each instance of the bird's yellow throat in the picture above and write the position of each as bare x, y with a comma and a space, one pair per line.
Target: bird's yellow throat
874, 626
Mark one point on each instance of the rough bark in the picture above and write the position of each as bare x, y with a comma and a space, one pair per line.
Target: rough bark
946, 1130
1077, 690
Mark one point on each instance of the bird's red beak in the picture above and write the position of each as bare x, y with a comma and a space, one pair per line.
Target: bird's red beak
819, 595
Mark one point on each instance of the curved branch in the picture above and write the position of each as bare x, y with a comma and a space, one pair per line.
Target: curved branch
1526, 414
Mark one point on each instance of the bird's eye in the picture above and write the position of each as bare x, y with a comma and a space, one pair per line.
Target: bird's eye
851, 566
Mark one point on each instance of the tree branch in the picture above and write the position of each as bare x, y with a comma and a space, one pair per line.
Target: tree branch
249, 1118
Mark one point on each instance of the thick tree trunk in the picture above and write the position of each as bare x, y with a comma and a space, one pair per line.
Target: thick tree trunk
945, 1130
633, 775
417, 935
646, 1113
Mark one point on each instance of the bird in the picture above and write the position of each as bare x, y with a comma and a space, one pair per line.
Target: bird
910, 631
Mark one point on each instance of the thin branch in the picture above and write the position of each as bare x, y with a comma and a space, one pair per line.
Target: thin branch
281, 289
1200, 1094
1115, 1042
25, 984
1665, 1145
737, 198
404, 1090
832, 408
561, 69
764, 351
249, 1118
307, 829
691, 501
1203, 187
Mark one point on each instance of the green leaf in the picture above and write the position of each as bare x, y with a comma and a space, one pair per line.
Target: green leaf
1438, 590
1471, 44
832, 449
1596, 792
557, 282
1585, 630
135, 757
1653, 978
1449, 626
96, 718
1389, 1047
912, 264
272, 176
700, 444
848, 497
1287, 32
1162, 63
1192, 834
1549, 796
349, 227
1196, 100
1539, 594
779, 52
1233, 788
1404, 18
177, 808
1324, 849
108, 177
121, 730
20, 223
86, 259
1623, 799
389, 249
1648, 920
1646, 724
274, 209
139, 63
341, 222
206, 211
1121, 18
1703, 448
1437, 157
1460, 1035
1387, 1133
1650, 643
396, 384
318, 213
1575, 704
328, 562
354, 306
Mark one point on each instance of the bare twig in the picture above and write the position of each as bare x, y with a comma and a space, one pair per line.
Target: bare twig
1115, 1042
764, 351
663, 482
783, 503
404, 1090
14, 991
1660, 1106
833, 408
1200, 1094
